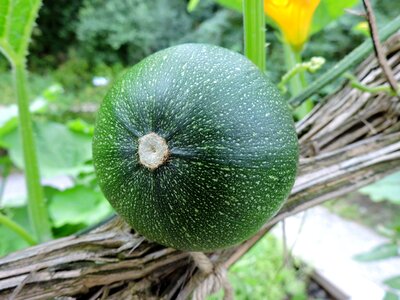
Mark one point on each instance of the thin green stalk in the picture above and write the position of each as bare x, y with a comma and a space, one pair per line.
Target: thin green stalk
310, 66
37, 210
352, 59
370, 89
291, 60
298, 82
302, 75
254, 32
4, 220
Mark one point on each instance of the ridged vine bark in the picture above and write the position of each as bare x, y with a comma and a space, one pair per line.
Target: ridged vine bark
350, 139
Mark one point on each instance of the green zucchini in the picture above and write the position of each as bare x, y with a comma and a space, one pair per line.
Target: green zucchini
195, 148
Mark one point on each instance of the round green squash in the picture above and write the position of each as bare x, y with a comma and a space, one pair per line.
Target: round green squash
195, 148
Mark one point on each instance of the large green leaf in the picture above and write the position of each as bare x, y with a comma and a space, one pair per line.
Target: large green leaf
9, 115
386, 189
391, 296
380, 252
393, 282
60, 150
16, 21
77, 205
10, 241
232, 4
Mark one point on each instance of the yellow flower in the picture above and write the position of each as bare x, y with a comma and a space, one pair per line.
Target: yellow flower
293, 17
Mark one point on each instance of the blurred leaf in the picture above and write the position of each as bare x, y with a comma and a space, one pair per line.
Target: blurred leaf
391, 296
77, 205
192, 5
60, 151
260, 274
386, 189
380, 252
328, 11
363, 28
68, 229
20, 215
87, 177
391, 231
232, 4
10, 241
9, 116
5, 166
53, 92
80, 126
393, 282
16, 21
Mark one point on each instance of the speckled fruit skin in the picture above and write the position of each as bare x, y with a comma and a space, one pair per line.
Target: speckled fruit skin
233, 148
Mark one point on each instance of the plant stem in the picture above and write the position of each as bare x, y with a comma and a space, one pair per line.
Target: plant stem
379, 51
352, 59
311, 66
303, 80
298, 82
370, 89
37, 210
291, 60
254, 32
4, 220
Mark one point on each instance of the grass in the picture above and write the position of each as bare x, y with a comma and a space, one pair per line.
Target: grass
261, 274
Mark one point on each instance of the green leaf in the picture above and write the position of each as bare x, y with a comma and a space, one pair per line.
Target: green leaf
77, 205
265, 263
9, 116
393, 282
380, 252
391, 296
362, 28
8, 126
192, 5
60, 151
328, 11
231, 4
80, 126
386, 189
16, 22
11, 241
52, 93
